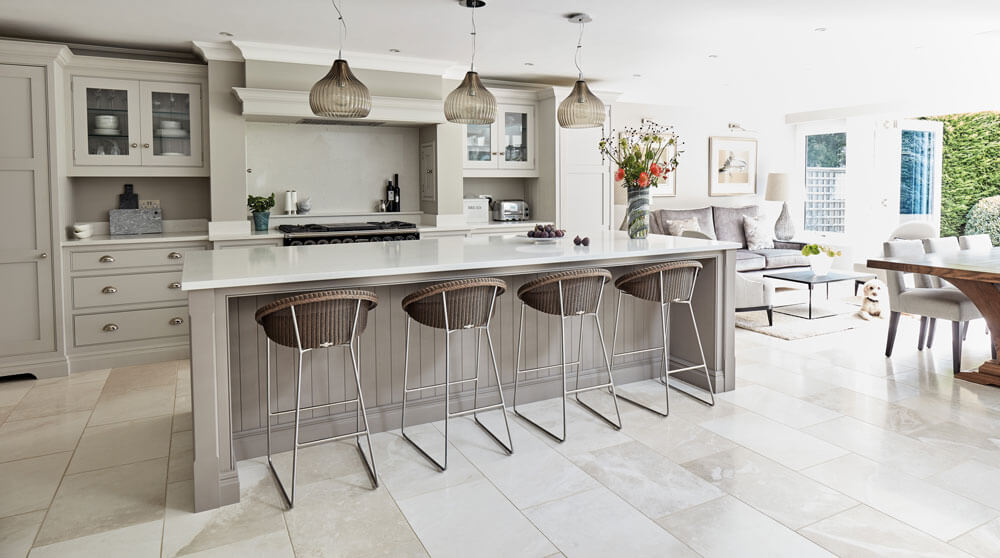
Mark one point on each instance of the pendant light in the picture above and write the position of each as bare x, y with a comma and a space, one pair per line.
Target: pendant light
581, 109
471, 102
340, 94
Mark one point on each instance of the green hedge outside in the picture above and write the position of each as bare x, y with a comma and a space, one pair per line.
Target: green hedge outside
971, 165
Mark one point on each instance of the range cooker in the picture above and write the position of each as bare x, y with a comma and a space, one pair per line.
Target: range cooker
346, 233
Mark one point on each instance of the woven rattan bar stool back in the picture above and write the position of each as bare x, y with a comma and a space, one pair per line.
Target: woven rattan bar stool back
666, 284
567, 294
456, 307
309, 322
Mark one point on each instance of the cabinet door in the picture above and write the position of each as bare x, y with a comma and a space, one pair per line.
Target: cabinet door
584, 181
480, 147
28, 324
171, 124
105, 121
515, 127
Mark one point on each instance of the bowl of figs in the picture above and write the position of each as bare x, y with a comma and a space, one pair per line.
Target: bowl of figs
546, 234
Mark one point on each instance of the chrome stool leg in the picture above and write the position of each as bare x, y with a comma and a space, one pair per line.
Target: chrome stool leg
576, 391
476, 409
369, 461
666, 372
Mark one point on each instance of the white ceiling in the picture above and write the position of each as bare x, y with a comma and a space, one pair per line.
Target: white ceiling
769, 55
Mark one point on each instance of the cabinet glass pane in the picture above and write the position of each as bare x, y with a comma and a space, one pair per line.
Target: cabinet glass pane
107, 121
515, 126
171, 124
477, 142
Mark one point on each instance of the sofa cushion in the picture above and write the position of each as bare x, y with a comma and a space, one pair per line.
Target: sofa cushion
778, 257
748, 261
729, 223
677, 227
658, 217
758, 238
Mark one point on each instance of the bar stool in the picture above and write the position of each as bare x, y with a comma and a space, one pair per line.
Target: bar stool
455, 306
318, 321
667, 284
567, 294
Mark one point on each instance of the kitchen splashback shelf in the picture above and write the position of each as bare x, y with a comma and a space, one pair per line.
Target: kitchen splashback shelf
388, 215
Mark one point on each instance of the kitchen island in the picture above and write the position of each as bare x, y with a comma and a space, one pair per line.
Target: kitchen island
225, 288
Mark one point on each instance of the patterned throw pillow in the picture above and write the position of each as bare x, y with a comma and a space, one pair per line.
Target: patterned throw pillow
677, 227
758, 238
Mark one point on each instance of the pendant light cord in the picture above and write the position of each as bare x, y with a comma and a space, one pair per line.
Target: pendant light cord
579, 48
342, 30
472, 65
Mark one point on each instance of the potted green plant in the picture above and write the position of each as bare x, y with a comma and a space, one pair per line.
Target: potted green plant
644, 156
261, 209
820, 257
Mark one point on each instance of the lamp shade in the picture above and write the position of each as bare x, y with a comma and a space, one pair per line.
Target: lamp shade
581, 109
778, 187
339, 94
470, 102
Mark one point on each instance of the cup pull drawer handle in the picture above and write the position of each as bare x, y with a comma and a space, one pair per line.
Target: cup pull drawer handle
109, 290
110, 328
175, 255
176, 321
107, 259
174, 285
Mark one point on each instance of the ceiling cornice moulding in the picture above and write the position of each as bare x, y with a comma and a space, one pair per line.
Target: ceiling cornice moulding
267, 52
221, 52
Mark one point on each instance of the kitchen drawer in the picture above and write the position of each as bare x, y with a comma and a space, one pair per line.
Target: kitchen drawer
113, 327
108, 290
118, 258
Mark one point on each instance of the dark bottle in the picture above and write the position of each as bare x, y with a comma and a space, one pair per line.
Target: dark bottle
395, 187
390, 196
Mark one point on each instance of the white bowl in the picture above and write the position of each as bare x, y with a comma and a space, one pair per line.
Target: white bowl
170, 124
171, 133
106, 121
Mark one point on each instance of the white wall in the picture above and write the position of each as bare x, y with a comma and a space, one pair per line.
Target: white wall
341, 168
775, 151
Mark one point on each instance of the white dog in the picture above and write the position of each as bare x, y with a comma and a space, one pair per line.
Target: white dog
871, 307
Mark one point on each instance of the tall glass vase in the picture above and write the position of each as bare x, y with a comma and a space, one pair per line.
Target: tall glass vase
638, 212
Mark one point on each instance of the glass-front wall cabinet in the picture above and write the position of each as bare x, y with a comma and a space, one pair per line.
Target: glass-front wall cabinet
507, 144
136, 123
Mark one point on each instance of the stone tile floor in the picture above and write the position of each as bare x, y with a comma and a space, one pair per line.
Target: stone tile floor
825, 448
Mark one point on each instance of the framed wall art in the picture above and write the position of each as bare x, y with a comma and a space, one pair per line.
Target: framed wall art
732, 166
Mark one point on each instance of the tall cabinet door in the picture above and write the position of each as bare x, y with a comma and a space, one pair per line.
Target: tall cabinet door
171, 124
28, 324
585, 200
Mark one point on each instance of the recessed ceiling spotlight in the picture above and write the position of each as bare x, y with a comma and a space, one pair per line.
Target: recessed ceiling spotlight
225, 34
820, 29
529, 63
394, 50
713, 56
637, 75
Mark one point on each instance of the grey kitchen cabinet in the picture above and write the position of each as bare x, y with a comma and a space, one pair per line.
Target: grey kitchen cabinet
124, 127
127, 306
26, 268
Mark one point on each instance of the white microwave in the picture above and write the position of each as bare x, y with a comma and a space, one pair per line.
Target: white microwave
476, 210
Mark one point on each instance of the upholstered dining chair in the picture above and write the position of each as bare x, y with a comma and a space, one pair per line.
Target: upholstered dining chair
939, 303
975, 242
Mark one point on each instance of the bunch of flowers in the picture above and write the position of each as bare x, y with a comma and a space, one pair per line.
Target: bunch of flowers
639, 152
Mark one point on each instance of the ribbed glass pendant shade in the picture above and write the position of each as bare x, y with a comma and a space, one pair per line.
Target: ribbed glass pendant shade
470, 102
340, 94
581, 109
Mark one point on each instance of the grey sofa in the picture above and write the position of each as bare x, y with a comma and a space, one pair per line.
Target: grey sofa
726, 223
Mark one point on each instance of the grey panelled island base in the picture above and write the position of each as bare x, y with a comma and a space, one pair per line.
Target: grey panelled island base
226, 287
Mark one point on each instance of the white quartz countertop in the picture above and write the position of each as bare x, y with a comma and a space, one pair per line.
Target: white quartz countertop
101, 240
270, 265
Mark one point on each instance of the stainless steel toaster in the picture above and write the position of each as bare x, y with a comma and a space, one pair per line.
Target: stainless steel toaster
510, 210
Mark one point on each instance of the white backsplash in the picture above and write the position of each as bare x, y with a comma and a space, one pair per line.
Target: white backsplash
341, 168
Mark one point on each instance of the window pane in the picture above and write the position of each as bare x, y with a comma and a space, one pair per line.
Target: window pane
916, 173
826, 167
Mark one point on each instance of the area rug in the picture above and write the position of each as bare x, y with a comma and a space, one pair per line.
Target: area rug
794, 327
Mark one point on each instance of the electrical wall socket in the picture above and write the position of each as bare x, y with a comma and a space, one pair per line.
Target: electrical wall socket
149, 204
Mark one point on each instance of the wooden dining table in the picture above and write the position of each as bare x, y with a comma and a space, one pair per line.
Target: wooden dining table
974, 272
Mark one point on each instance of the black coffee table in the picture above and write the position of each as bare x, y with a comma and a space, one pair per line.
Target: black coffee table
809, 278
